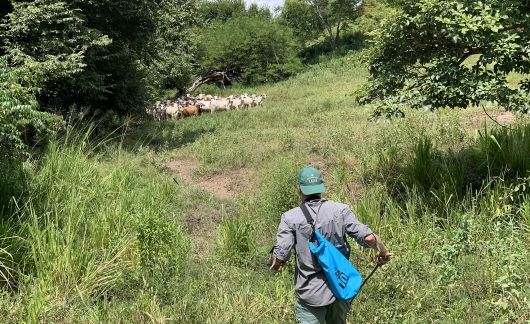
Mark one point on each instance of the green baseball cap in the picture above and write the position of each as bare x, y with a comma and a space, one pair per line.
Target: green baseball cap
310, 181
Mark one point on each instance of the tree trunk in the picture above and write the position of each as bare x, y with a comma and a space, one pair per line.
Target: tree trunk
215, 76
336, 41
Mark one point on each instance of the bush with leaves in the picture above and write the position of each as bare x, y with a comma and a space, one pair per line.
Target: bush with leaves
312, 18
253, 49
50, 38
223, 10
103, 55
18, 113
301, 19
171, 64
436, 54
163, 249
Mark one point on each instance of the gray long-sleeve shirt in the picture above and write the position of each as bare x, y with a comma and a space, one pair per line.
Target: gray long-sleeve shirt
333, 220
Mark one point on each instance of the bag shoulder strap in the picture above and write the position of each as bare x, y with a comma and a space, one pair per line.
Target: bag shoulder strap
307, 215
309, 219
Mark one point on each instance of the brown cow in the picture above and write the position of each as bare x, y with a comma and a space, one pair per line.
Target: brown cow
189, 111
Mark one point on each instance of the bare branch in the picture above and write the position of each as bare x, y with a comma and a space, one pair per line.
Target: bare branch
214, 76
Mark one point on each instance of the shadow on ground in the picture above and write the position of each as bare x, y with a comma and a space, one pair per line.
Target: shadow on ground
165, 135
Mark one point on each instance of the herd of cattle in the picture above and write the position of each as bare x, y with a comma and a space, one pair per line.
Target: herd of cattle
192, 106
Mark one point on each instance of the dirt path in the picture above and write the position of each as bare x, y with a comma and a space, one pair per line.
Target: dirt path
203, 218
503, 118
225, 185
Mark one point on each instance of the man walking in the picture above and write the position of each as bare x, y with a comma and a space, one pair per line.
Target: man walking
315, 300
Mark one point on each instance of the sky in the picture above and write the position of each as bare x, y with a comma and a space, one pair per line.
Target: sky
270, 3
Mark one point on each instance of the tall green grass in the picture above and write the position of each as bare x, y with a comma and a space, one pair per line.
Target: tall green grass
446, 178
90, 230
99, 232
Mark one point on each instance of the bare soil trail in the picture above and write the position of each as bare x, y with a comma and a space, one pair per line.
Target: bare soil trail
204, 217
503, 118
224, 185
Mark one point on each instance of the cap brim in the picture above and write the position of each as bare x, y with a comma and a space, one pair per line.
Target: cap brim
314, 189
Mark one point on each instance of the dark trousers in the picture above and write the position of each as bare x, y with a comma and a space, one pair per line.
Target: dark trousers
334, 313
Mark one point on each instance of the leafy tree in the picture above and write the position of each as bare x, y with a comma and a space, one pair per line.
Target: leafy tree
331, 17
255, 10
5, 8
221, 10
49, 38
300, 17
249, 49
436, 54
102, 55
18, 112
172, 59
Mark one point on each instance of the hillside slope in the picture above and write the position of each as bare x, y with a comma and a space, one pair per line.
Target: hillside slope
173, 221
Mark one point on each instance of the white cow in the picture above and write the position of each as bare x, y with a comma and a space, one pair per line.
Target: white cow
173, 110
206, 105
246, 101
258, 100
220, 104
235, 102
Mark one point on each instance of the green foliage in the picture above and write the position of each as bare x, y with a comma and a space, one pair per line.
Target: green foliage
222, 10
254, 11
254, 49
163, 249
444, 178
311, 18
277, 193
86, 231
49, 37
102, 55
18, 113
437, 54
505, 151
172, 49
235, 240
299, 16
5, 8
373, 14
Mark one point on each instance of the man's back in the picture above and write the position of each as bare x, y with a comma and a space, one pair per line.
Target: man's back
333, 220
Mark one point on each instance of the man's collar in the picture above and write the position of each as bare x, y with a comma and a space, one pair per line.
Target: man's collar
315, 200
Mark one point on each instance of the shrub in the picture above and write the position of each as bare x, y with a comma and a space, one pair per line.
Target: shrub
277, 193
101, 55
251, 49
86, 231
498, 157
19, 117
163, 249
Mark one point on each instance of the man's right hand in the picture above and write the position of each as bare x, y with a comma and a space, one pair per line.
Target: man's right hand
383, 257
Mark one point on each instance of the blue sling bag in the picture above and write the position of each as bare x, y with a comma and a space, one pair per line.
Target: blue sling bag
343, 279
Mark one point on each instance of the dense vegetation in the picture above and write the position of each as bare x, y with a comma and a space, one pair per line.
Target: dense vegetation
108, 235
311, 18
94, 227
250, 49
99, 56
437, 54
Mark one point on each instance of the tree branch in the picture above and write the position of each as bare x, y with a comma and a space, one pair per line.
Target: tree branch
465, 56
213, 76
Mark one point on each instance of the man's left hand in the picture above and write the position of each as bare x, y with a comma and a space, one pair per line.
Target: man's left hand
275, 264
